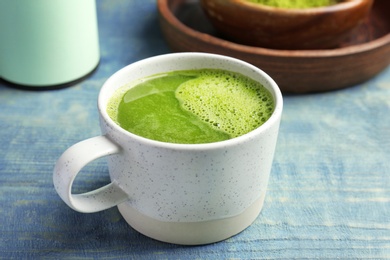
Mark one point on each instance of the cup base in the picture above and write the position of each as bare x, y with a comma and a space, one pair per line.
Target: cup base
191, 233
55, 86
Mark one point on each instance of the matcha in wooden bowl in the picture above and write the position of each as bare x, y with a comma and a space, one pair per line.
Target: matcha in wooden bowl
286, 24
296, 4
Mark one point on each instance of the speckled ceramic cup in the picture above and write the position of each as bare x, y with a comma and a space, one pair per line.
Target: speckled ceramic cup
179, 193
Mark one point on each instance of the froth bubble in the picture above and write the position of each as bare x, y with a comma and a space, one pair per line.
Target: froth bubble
227, 101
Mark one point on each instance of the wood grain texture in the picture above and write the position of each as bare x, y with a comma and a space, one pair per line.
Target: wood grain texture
328, 195
254, 24
363, 55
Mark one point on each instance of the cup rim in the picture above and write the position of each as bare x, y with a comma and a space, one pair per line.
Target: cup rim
273, 88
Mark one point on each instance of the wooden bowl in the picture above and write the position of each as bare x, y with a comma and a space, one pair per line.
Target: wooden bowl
289, 29
361, 56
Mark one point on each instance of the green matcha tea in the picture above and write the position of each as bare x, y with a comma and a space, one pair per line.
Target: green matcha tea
191, 107
296, 3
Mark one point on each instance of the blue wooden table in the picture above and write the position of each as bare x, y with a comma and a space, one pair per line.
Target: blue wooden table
328, 196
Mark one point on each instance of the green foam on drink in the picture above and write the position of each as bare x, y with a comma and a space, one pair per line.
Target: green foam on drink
227, 102
196, 106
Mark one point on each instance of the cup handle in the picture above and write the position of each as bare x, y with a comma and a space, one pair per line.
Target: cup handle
69, 165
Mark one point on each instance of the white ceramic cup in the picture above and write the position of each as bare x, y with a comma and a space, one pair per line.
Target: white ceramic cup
179, 193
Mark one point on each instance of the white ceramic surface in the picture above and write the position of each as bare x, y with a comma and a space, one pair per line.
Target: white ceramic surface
160, 187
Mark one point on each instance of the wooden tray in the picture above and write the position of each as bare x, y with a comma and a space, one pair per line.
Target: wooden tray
363, 55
